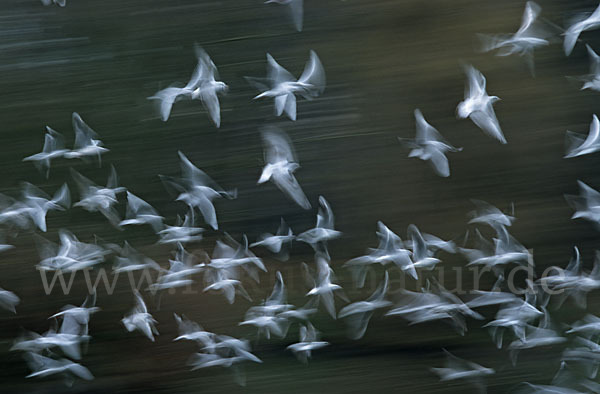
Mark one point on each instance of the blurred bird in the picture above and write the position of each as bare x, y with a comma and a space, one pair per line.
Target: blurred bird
203, 85
281, 163
181, 232
524, 41
586, 354
573, 281
309, 341
140, 212
486, 213
139, 318
225, 352
181, 268
478, 105
8, 300
191, 331
77, 318
429, 145
358, 314
545, 334
296, 9
581, 24
68, 338
54, 148
43, 366
493, 297
94, 198
506, 250
71, 255
278, 243
224, 281
391, 249
207, 87
514, 316
266, 322
40, 203
589, 325
284, 87
198, 190
130, 260
323, 230
457, 368
586, 204
422, 255
267, 317
323, 287
592, 80
86, 142
60, 3
230, 254
434, 304
579, 144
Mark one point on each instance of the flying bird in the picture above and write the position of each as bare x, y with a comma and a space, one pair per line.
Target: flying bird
592, 80
284, 87
54, 148
478, 105
295, 8
281, 163
202, 85
582, 24
86, 141
524, 41
429, 145
579, 144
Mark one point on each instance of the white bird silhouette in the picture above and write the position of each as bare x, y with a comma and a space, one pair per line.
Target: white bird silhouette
94, 198
139, 318
60, 3
592, 80
586, 204
582, 24
8, 300
140, 212
391, 249
579, 145
296, 9
54, 148
323, 287
309, 341
478, 105
277, 243
86, 142
198, 190
524, 41
358, 314
281, 163
45, 366
429, 145
324, 229
457, 368
202, 85
284, 87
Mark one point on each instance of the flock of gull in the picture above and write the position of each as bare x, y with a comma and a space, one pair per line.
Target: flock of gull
522, 320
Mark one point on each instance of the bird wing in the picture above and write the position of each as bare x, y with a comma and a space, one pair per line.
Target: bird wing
297, 11
276, 73
83, 133
278, 145
211, 103
313, 73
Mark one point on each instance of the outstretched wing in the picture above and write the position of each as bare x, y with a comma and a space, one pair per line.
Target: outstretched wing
314, 74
